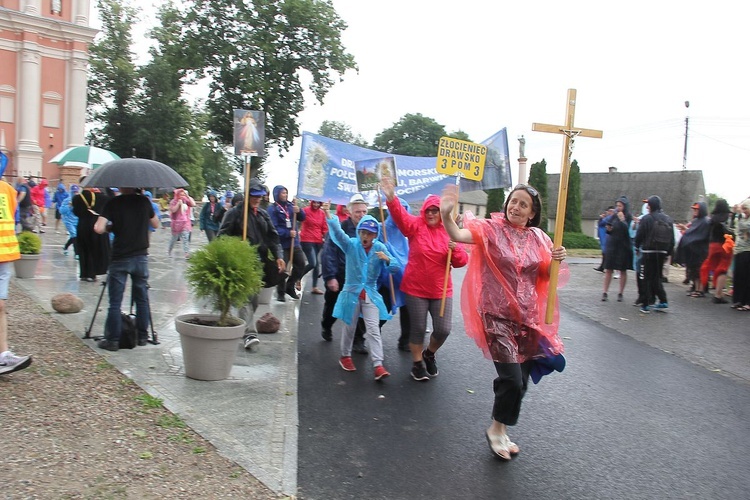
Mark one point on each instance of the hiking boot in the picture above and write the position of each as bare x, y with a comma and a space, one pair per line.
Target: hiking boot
429, 363
419, 372
347, 364
11, 363
327, 334
251, 341
380, 372
108, 345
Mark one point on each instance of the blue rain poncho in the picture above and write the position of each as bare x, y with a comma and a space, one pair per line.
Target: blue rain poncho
362, 270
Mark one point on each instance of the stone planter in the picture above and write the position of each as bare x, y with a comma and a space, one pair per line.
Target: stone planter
208, 351
26, 265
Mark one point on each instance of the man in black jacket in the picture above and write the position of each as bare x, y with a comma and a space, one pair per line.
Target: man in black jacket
655, 242
261, 232
333, 264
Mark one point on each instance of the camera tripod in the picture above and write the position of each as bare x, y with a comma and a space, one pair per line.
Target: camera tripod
153, 340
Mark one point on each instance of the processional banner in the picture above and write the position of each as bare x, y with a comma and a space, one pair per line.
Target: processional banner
327, 170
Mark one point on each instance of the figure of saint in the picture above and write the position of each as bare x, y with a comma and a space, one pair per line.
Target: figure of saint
522, 147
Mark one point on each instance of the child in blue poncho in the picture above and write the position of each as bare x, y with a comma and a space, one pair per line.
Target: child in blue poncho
365, 259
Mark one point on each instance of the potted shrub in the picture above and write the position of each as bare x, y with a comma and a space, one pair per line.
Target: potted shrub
30, 246
227, 272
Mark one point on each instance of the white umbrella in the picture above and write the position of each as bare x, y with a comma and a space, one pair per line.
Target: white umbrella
89, 156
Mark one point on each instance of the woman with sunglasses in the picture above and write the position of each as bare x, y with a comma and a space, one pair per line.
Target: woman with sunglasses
424, 277
503, 301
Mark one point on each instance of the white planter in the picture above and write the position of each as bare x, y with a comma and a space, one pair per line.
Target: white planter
208, 351
265, 295
26, 265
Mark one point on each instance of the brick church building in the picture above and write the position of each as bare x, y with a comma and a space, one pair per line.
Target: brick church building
43, 79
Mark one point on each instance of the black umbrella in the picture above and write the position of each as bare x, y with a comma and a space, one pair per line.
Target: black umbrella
134, 173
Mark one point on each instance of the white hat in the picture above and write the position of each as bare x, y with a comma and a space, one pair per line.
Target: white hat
357, 198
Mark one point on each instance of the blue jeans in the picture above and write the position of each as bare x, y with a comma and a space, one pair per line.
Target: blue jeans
312, 252
137, 268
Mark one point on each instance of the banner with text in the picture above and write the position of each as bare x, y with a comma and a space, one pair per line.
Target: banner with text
327, 170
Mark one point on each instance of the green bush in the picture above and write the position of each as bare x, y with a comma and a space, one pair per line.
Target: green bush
29, 243
227, 272
578, 240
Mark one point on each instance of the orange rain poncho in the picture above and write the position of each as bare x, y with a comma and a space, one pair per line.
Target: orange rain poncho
504, 292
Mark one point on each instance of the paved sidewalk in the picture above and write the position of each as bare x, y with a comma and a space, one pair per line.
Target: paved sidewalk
251, 418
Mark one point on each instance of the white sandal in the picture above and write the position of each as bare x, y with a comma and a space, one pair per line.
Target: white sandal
498, 445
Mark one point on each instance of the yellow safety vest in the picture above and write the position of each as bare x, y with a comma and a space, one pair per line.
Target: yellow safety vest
8, 241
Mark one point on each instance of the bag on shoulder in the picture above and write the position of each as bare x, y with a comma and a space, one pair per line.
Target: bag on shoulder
129, 332
662, 234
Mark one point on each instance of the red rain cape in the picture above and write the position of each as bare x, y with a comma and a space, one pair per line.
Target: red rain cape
504, 293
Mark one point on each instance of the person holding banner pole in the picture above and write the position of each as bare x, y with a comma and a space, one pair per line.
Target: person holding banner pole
503, 301
285, 215
429, 246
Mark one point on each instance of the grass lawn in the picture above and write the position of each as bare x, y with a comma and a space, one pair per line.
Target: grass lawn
584, 253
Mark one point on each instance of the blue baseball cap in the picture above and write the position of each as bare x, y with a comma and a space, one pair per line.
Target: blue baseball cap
368, 225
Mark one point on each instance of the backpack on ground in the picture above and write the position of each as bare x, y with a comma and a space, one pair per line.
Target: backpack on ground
129, 333
662, 234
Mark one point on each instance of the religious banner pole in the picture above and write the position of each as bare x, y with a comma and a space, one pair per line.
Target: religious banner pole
385, 240
290, 265
570, 133
247, 197
462, 159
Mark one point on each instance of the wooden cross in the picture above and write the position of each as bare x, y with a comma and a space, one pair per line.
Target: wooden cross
570, 132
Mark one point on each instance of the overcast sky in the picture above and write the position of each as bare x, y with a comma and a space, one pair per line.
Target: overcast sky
481, 65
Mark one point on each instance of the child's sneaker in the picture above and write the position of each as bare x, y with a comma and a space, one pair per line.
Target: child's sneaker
380, 372
347, 364
12, 363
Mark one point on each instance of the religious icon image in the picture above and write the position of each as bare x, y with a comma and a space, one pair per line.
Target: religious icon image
313, 180
370, 173
249, 132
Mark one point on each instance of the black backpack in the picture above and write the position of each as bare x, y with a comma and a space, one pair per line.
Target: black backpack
662, 234
129, 333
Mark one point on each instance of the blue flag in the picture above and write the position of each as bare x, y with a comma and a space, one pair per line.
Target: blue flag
3, 163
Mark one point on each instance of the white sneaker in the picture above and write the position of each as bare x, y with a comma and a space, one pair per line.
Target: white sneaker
251, 341
12, 363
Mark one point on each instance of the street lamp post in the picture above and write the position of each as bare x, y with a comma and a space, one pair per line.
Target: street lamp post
684, 151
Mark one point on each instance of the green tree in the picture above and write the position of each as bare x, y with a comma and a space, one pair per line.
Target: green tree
217, 167
412, 135
255, 54
113, 81
495, 201
168, 129
340, 131
573, 202
538, 179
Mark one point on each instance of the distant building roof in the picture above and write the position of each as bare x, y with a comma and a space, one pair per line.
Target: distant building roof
677, 190
478, 197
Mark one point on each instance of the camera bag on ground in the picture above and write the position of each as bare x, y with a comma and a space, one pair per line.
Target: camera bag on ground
129, 332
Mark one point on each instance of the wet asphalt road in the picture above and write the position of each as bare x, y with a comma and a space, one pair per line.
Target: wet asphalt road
625, 420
